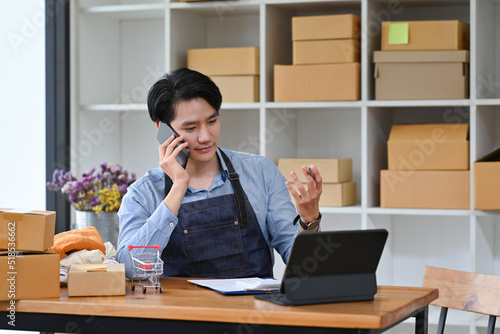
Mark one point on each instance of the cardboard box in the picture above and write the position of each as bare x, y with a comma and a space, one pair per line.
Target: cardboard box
337, 194
342, 26
331, 170
29, 275
30, 230
424, 189
328, 82
326, 51
96, 280
224, 61
425, 35
487, 182
416, 75
239, 88
428, 147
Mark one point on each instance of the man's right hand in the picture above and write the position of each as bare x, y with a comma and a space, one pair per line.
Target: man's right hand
180, 177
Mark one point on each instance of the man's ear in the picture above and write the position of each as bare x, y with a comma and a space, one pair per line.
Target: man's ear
157, 124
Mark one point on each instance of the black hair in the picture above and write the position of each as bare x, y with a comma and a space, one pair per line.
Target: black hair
177, 86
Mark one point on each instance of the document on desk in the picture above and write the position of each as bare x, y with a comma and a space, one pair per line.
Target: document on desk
240, 286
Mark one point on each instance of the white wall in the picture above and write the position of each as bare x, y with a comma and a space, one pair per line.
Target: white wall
22, 104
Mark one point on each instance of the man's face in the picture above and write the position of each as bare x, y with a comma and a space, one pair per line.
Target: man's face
199, 123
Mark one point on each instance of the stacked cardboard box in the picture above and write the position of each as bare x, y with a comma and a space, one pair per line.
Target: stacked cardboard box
422, 60
27, 269
487, 181
338, 187
326, 55
234, 70
427, 167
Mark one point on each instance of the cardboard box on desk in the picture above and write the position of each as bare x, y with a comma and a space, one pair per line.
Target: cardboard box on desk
326, 51
29, 275
428, 147
331, 170
425, 35
325, 82
238, 88
318, 27
424, 189
96, 280
224, 61
29, 230
416, 75
487, 182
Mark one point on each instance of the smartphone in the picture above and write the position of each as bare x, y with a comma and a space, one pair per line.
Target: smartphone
165, 132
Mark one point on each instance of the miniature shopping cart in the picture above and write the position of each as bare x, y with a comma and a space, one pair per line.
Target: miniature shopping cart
147, 265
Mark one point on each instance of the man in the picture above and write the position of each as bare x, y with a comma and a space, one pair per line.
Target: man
223, 213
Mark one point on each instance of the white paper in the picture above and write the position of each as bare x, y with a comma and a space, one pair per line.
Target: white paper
228, 284
257, 283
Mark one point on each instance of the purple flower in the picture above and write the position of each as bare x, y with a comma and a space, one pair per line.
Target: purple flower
84, 194
90, 172
94, 202
115, 168
73, 196
67, 188
123, 189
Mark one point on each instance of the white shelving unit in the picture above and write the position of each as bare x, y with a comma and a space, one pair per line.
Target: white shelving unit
120, 48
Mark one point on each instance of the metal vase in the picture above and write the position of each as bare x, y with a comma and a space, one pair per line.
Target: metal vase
106, 224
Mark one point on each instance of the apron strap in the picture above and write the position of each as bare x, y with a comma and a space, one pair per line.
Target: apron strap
238, 189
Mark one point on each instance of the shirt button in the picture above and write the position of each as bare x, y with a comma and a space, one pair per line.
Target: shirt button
171, 224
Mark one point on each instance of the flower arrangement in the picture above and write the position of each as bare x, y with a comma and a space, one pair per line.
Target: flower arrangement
101, 192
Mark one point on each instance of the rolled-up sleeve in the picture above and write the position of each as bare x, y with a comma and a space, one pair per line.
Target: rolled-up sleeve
280, 212
144, 221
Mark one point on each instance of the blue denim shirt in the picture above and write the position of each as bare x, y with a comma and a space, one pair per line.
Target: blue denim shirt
146, 221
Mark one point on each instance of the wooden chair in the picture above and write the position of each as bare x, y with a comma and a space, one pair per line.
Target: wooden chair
464, 291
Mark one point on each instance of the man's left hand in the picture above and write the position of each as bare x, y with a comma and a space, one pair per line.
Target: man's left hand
306, 199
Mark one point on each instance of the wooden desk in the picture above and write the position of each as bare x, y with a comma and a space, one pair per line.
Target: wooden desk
184, 307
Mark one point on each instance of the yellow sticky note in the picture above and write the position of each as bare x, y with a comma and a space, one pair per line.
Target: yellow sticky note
399, 33
96, 267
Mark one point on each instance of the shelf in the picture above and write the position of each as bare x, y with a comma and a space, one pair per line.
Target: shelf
140, 107
419, 103
355, 209
418, 212
481, 213
239, 106
316, 6
426, 3
488, 102
218, 8
314, 105
127, 12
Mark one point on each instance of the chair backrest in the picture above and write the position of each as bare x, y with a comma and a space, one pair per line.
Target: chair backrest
465, 291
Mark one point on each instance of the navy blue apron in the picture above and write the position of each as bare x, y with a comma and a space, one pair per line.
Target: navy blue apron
217, 237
